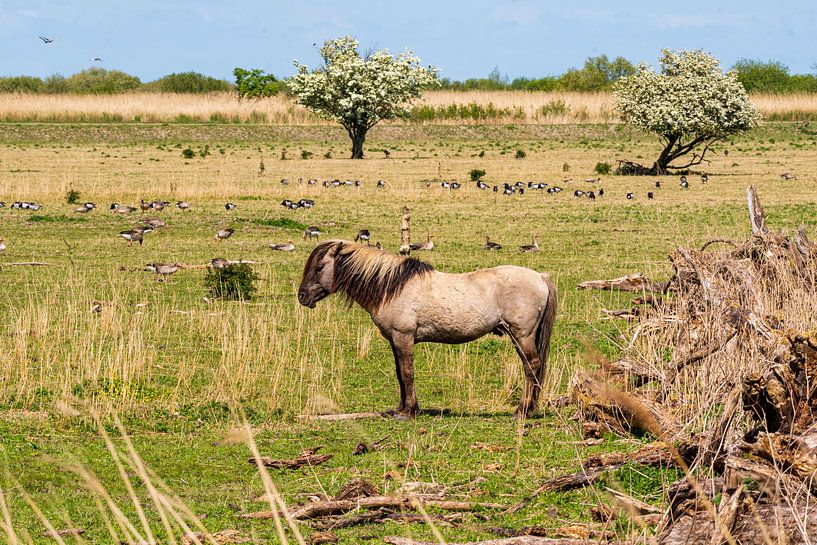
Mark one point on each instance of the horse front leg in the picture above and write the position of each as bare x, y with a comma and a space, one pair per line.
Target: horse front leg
403, 348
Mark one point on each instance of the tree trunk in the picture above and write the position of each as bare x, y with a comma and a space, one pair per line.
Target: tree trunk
358, 136
662, 163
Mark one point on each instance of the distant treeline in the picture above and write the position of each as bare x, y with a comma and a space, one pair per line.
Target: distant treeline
598, 74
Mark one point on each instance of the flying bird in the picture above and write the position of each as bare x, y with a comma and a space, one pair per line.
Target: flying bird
97, 59
46, 40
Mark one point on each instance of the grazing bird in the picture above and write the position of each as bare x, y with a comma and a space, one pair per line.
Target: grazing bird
229, 206
381, 183
183, 205
154, 223
427, 246
630, 196
163, 270
496, 189
684, 183
363, 235
601, 192
591, 195
219, 263
578, 193
158, 206
306, 203
85, 208
593, 180
650, 195
122, 209
46, 39
491, 246
481, 185
787, 176
312, 232
145, 206
288, 247
224, 234
455, 185
704, 178
132, 235
445, 185
2, 204
284, 181
658, 184
2, 244
531, 248
683, 179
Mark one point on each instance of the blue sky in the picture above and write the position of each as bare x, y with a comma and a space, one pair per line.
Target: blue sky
465, 38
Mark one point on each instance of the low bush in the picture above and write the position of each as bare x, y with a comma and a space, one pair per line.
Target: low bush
235, 282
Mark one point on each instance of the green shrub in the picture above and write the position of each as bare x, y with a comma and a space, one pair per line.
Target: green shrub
235, 282
254, 83
306, 154
602, 168
476, 174
554, 107
520, 154
187, 153
189, 82
21, 84
101, 81
72, 196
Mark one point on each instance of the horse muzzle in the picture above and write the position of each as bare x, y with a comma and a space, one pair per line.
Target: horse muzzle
306, 300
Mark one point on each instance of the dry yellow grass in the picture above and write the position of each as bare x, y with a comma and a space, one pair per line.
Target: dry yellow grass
507, 106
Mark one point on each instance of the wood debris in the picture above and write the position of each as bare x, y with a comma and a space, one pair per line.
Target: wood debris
305, 458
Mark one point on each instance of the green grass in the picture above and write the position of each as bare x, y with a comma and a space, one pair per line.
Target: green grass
180, 370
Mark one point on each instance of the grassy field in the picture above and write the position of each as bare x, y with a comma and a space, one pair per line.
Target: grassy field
436, 107
184, 372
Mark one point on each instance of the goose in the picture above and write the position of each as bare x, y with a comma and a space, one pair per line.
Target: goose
593, 180
89, 205
145, 206
154, 223
224, 234
34, 206
455, 185
288, 247
533, 185
683, 179
163, 270
658, 184
183, 205
144, 230
788, 176
650, 195
46, 40
159, 205
531, 248
312, 232
508, 190
229, 206
423, 246
578, 193
122, 209
357, 183
381, 183
630, 196
519, 185
2, 244
704, 178
378, 245
2, 204
84, 209
363, 235
601, 192
445, 185
219, 263
481, 185
133, 235
312, 181
684, 183
306, 203
286, 203
591, 195
491, 246
496, 189
16, 205
284, 181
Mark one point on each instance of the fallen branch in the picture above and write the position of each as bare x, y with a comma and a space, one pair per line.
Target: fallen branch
345, 416
386, 516
25, 264
630, 282
336, 507
306, 458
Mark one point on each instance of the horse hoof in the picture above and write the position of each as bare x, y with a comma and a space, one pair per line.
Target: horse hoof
402, 416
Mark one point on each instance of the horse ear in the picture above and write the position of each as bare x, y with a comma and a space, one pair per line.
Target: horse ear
335, 249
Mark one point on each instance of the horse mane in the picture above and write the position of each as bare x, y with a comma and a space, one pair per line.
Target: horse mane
367, 275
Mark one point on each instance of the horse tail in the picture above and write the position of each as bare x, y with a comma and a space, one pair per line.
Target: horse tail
544, 328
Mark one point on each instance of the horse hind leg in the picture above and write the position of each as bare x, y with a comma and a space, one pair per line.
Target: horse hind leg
532, 367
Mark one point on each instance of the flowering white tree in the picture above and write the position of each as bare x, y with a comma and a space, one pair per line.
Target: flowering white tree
358, 92
690, 105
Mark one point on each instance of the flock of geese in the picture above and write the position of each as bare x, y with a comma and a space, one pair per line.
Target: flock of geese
165, 270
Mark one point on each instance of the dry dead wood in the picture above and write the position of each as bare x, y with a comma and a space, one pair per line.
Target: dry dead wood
630, 282
405, 232
305, 458
344, 416
336, 507
335, 523
518, 540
